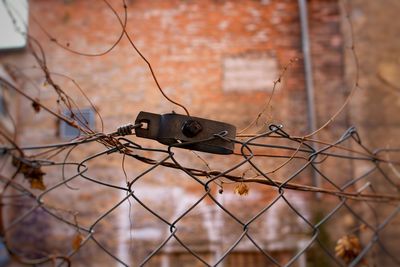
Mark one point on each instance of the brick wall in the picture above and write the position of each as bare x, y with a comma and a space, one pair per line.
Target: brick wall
189, 44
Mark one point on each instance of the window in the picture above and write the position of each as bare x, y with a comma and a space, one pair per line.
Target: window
83, 117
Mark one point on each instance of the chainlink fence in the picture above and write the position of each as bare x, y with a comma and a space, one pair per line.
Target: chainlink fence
338, 223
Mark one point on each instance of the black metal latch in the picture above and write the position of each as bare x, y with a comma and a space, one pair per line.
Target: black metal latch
187, 132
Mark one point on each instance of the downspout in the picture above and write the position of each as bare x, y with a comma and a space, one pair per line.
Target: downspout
305, 42
309, 83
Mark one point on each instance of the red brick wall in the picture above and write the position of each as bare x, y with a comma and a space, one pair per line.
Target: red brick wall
186, 43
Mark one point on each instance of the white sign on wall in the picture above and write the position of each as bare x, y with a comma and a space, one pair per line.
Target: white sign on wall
249, 72
12, 35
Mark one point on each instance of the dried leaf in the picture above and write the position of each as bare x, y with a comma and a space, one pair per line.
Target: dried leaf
37, 184
36, 106
32, 172
77, 241
242, 189
348, 248
363, 227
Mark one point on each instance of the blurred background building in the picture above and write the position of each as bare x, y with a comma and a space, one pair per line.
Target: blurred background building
220, 59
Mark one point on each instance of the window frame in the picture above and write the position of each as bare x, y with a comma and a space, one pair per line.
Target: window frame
67, 131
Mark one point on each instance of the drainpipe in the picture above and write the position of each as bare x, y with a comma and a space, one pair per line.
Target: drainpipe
305, 41
312, 124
